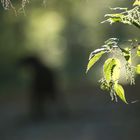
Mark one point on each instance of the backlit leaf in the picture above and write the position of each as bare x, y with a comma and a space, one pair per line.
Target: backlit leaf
136, 3
94, 59
120, 92
138, 69
111, 69
138, 51
116, 71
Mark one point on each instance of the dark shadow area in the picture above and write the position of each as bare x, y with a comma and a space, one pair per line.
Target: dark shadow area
43, 86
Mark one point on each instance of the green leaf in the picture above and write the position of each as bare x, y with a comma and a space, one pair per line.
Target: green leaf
107, 69
127, 54
136, 3
111, 69
138, 51
114, 19
94, 59
120, 92
138, 69
116, 71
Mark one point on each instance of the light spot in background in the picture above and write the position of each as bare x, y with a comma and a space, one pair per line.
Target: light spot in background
44, 36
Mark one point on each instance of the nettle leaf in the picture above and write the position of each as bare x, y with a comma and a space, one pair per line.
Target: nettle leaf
111, 69
97, 51
107, 69
111, 43
127, 54
120, 92
116, 71
138, 69
112, 18
136, 3
94, 59
138, 51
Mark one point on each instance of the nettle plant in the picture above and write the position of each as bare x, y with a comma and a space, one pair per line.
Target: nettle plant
119, 57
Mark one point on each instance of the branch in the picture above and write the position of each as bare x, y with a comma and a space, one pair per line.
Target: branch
131, 17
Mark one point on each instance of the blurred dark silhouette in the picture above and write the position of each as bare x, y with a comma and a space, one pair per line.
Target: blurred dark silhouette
43, 87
